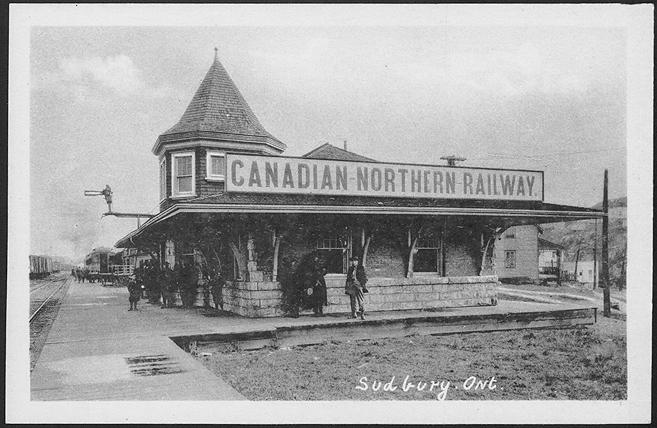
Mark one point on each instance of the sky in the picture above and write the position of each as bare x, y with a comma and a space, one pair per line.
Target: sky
534, 97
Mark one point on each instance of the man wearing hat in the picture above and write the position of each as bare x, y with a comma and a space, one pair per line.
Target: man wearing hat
355, 287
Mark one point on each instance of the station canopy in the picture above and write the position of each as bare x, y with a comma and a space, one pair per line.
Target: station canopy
495, 213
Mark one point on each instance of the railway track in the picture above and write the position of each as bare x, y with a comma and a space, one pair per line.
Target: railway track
44, 306
39, 287
42, 303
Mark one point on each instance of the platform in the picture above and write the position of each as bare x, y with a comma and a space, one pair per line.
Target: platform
98, 350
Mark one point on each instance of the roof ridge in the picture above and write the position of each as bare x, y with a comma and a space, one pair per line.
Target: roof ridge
341, 154
315, 149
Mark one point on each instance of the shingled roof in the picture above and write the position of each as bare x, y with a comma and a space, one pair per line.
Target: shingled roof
327, 151
219, 111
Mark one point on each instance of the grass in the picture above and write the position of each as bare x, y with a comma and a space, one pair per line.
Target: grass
574, 364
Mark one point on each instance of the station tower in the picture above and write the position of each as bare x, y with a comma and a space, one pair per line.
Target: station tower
192, 153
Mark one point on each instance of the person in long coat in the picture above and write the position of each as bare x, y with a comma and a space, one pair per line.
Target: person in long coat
319, 292
287, 275
167, 285
134, 293
191, 278
217, 283
355, 287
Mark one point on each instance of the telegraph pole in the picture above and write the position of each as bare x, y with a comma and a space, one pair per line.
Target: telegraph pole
605, 251
595, 254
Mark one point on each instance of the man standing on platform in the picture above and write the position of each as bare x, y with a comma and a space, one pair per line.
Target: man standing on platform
134, 293
167, 285
217, 283
319, 292
355, 287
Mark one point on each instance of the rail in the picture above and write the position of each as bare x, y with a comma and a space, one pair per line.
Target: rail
46, 300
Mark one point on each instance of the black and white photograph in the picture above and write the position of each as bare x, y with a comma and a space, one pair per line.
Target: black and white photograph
329, 213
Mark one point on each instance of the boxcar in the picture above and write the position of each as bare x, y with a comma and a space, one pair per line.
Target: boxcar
40, 266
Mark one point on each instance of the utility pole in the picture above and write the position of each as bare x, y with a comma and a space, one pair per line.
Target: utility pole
595, 254
605, 251
576, 262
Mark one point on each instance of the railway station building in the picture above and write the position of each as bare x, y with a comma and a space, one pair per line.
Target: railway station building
230, 198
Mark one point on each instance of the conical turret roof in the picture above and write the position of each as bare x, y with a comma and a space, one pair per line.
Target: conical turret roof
219, 111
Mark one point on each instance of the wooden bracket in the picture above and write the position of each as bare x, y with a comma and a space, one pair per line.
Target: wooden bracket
277, 244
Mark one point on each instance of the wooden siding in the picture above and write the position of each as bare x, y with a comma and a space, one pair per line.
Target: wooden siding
525, 244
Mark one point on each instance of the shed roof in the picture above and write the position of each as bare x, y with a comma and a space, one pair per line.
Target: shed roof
218, 110
511, 212
327, 151
549, 245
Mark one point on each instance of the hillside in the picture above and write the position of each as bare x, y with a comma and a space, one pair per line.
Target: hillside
581, 235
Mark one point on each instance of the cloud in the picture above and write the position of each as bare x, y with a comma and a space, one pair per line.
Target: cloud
83, 77
117, 73
511, 72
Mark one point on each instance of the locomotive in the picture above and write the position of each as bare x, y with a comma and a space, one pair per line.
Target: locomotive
99, 262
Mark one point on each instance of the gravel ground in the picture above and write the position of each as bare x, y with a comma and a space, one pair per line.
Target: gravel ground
576, 364
40, 325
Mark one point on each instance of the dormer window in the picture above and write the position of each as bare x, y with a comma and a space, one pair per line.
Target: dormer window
216, 166
182, 174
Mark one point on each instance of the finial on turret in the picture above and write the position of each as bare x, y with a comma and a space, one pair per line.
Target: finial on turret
215, 53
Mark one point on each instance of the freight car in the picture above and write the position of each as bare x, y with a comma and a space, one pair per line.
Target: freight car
41, 266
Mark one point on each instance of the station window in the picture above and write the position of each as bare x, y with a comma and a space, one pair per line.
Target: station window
183, 173
510, 259
216, 166
163, 179
333, 251
427, 255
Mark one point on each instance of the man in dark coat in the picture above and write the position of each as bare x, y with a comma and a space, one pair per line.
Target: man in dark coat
156, 280
291, 289
217, 283
355, 287
167, 285
190, 278
139, 275
134, 293
319, 292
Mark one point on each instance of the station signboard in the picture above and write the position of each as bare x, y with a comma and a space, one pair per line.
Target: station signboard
289, 175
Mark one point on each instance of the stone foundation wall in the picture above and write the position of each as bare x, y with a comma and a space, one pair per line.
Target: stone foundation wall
420, 292
249, 299
254, 299
264, 298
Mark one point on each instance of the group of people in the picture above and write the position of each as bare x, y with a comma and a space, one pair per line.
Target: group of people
80, 274
85, 275
160, 285
307, 288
